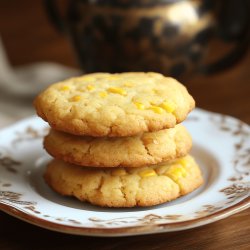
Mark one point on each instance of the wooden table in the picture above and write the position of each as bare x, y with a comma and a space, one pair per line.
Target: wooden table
28, 38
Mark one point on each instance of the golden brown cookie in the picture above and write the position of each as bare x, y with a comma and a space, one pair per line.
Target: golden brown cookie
134, 151
125, 187
125, 104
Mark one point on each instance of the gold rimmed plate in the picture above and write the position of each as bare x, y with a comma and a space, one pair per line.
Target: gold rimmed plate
221, 146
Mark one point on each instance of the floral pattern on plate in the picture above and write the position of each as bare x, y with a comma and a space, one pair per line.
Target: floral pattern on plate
221, 146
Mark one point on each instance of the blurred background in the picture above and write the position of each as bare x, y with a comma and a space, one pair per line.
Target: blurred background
204, 44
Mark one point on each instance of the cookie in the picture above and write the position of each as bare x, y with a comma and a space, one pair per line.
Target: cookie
134, 151
114, 105
125, 187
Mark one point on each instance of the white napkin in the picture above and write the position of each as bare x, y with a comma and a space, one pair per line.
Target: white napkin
19, 86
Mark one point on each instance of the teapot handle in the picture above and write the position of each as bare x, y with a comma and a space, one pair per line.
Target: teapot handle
234, 24
54, 15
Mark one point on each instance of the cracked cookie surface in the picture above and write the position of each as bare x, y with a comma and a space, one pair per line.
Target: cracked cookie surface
103, 104
134, 151
125, 187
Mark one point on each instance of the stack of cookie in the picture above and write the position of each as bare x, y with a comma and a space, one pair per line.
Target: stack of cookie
116, 139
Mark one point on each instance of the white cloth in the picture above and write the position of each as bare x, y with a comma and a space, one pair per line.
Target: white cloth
19, 86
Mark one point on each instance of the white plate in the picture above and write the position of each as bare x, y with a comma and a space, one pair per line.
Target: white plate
221, 146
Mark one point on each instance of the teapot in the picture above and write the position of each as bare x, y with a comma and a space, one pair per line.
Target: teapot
172, 37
